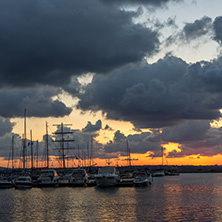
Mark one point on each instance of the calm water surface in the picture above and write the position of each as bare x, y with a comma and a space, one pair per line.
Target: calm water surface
188, 197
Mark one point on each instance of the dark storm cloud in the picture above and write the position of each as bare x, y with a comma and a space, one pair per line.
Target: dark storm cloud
73, 87
196, 29
37, 101
49, 41
92, 128
186, 131
157, 95
144, 2
218, 29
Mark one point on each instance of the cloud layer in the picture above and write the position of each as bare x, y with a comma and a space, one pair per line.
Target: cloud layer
49, 41
46, 45
157, 95
38, 102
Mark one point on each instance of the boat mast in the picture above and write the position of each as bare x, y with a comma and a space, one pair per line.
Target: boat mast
79, 162
47, 146
62, 141
128, 153
31, 149
91, 152
12, 152
37, 153
88, 153
24, 142
162, 156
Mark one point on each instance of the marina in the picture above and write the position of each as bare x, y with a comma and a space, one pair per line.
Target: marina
198, 198
104, 177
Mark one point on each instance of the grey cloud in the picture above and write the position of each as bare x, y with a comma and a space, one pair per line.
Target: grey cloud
197, 29
107, 127
92, 128
156, 3
6, 126
49, 41
217, 24
157, 95
200, 29
186, 131
138, 143
37, 101
195, 138
6, 144
73, 87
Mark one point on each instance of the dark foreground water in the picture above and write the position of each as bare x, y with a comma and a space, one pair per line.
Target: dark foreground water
188, 197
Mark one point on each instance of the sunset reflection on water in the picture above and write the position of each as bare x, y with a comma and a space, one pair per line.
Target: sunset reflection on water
187, 197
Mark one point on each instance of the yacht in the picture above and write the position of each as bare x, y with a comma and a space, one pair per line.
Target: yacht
159, 173
48, 177
23, 182
5, 182
141, 179
79, 177
126, 179
107, 177
64, 179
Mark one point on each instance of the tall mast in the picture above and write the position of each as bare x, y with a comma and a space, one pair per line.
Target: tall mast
88, 153
162, 155
12, 152
91, 153
37, 153
62, 141
128, 152
31, 149
47, 146
79, 162
24, 142
62, 144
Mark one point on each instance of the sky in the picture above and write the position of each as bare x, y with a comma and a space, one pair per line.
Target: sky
144, 71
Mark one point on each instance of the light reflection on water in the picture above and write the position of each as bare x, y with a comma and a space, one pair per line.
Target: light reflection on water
188, 197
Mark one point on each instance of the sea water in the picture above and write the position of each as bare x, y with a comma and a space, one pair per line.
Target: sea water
188, 197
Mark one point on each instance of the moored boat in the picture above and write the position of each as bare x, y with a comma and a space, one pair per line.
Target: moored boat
5, 182
23, 182
48, 178
64, 179
107, 177
141, 179
158, 173
126, 179
79, 177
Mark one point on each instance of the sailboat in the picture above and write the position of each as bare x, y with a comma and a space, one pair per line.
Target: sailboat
127, 178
